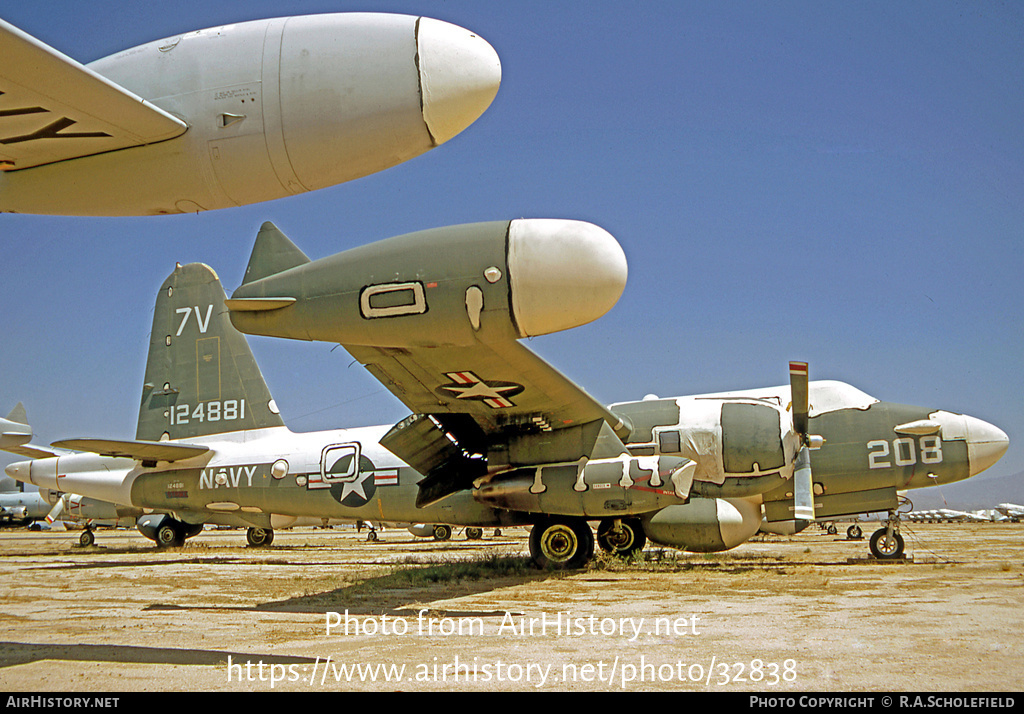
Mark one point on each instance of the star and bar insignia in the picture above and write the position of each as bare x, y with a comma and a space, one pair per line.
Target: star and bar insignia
466, 385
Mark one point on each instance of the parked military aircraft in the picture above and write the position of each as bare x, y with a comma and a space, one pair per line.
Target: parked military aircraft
1011, 510
497, 437
21, 508
232, 115
946, 515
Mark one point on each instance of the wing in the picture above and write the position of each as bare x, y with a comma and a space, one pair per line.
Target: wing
504, 389
53, 108
472, 404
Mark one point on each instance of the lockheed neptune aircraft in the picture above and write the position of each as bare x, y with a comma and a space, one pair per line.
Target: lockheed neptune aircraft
232, 115
497, 436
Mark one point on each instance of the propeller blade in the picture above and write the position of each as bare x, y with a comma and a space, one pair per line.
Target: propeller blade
803, 495
56, 511
798, 393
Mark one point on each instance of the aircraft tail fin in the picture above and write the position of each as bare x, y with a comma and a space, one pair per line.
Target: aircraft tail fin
18, 414
273, 253
14, 430
201, 376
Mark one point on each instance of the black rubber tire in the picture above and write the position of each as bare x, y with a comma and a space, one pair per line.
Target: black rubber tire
561, 544
884, 549
259, 537
630, 539
169, 535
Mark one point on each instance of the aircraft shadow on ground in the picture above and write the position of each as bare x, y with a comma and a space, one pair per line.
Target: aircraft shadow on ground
15, 653
402, 590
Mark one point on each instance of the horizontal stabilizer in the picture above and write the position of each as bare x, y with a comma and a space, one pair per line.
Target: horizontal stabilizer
138, 450
54, 108
272, 253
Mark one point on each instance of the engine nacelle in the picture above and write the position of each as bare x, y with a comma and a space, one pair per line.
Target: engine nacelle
521, 278
705, 525
741, 440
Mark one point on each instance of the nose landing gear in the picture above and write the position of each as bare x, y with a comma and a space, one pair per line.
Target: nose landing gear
887, 543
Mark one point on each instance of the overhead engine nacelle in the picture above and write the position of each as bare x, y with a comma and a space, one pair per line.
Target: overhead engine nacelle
704, 525
503, 279
269, 108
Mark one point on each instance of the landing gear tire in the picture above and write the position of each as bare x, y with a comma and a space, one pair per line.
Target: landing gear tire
831, 529
561, 544
442, 532
169, 535
474, 533
854, 532
884, 547
371, 537
86, 539
259, 537
624, 540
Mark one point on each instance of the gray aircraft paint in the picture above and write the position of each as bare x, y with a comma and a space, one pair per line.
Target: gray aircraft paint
201, 377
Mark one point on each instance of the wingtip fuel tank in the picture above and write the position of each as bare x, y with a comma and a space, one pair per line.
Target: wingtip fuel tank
524, 277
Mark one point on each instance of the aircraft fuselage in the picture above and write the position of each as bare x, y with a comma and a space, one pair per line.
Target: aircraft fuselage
262, 477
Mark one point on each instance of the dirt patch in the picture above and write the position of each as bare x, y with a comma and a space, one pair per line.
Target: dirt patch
808, 612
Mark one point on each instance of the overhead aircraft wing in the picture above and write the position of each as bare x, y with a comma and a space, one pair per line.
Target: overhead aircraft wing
53, 108
139, 450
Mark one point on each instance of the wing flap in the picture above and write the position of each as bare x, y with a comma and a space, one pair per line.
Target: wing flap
53, 108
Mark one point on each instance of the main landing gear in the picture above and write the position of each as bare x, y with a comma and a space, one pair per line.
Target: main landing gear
621, 536
561, 543
566, 543
259, 537
168, 532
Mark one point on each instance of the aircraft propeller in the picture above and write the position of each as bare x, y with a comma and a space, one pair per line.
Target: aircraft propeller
803, 488
57, 510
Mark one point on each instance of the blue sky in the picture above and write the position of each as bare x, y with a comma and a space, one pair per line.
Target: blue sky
841, 183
